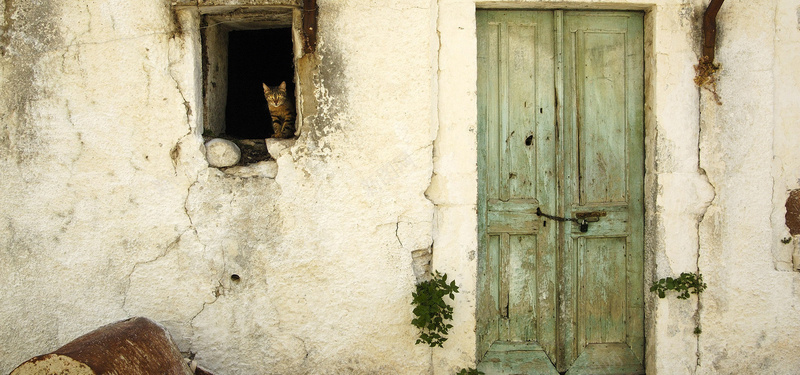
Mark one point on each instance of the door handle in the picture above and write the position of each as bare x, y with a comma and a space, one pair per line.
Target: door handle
581, 218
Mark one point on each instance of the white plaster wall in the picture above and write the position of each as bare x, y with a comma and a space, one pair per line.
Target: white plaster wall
677, 191
749, 150
90, 112
109, 209
786, 133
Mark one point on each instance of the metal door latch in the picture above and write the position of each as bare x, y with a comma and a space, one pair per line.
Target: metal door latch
581, 218
591, 216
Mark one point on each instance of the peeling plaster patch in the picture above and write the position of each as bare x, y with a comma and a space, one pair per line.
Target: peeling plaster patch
793, 212
683, 201
413, 234
421, 263
330, 90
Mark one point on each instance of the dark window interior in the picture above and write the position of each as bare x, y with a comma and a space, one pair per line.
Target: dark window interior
256, 56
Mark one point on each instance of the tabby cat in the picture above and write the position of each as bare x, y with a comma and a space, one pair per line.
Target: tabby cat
281, 109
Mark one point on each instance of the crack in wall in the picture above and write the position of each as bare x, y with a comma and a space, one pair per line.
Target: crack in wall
218, 291
108, 41
175, 152
305, 348
701, 216
187, 105
422, 259
78, 134
186, 207
397, 232
172, 245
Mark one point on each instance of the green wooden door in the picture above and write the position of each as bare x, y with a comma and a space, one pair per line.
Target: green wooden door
560, 108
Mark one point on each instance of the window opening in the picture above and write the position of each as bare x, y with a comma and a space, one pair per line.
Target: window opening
256, 57
241, 51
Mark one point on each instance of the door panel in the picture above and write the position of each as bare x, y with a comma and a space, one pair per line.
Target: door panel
600, 119
601, 289
517, 138
603, 171
560, 130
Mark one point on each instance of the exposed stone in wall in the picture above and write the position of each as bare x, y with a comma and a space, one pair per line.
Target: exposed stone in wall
422, 264
222, 153
793, 212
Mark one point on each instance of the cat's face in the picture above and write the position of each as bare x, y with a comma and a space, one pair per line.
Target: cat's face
275, 95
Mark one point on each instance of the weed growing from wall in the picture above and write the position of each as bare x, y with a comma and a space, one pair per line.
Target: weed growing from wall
431, 311
687, 283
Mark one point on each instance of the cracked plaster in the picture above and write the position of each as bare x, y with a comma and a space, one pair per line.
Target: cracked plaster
103, 174
117, 188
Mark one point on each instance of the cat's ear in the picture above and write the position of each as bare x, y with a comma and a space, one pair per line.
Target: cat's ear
265, 86
282, 86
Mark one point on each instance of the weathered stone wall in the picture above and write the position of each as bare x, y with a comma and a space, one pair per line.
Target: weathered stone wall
716, 179
786, 132
750, 149
91, 109
109, 210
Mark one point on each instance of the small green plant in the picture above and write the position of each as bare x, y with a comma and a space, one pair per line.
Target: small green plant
431, 311
470, 371
697, 330
685, 284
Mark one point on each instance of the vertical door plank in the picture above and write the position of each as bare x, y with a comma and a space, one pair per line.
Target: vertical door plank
635, 167
602, 161
522, 288
486, 309
520, 140
517, 167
